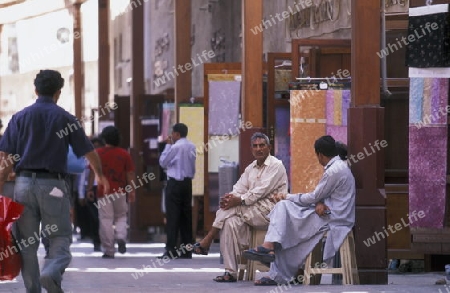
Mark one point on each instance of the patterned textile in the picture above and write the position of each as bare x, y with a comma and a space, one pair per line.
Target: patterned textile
282, 147
428, 110
427, 175
224, 105
338, 102
168, 119
428, 37
314, 113
308, 122
193, 118
428, 55
282, 79
428, 101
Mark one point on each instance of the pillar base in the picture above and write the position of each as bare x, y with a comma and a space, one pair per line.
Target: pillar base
366, 156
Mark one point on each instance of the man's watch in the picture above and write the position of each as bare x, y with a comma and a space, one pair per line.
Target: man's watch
243, 202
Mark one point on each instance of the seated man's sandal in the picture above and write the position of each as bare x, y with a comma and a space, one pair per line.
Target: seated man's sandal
225, 278
261, 254
200, 250
265, 281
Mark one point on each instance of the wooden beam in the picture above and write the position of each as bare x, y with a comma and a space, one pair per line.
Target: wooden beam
364, 47
78, 68
30, 9
137, 234
365, 127
183, 62
396, 24
5, 4
252, 63
103, 55
397, 82
137, 73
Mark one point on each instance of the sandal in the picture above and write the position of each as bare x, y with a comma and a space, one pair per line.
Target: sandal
265, 281
261, 254
200, 250
225, 278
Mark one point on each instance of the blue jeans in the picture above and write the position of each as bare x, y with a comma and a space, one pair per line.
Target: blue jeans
46, 202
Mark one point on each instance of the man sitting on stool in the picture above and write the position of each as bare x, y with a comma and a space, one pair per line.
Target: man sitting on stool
247, 205
299, 221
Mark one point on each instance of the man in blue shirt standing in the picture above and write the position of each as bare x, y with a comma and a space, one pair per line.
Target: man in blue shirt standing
38, 138
178, 159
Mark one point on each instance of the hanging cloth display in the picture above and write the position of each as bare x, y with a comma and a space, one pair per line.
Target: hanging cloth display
428, 37
428, 55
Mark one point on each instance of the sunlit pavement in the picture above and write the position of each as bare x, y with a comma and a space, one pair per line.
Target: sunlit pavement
138, 270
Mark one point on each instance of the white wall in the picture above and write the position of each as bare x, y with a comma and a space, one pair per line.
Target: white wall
17, 92
39, 48
160, 53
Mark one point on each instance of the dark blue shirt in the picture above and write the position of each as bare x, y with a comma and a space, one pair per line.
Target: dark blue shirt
41, 133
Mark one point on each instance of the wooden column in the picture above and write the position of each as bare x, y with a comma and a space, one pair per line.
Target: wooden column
103, 55
365, 126
137, 93
183, 62
252, 63
78, 67
252, 74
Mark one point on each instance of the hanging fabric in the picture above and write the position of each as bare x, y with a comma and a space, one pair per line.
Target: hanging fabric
428, 37
224, 107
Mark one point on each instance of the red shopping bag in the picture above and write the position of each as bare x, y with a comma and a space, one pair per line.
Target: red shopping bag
10, 260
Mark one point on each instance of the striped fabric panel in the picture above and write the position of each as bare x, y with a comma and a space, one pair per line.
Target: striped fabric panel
346, 99
427, 92
415, 100
337, 108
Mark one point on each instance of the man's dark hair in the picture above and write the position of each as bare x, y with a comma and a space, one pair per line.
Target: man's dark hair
259, 135
181, 128
326, 145
98, 140
111, 135
48, 82
341, 149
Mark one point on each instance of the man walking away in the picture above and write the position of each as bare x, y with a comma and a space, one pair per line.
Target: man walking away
34, 137
113, 207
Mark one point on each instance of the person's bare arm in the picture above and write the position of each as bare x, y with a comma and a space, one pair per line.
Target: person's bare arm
229, 200
273, 182
321, 209
131, 176
278, 197
96, 165
5, 169
90, 186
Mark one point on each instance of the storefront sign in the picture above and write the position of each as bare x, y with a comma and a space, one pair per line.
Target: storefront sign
314, 15
323, 16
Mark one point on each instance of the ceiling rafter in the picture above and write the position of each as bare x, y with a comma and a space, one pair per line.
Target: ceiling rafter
6, 3
15, 10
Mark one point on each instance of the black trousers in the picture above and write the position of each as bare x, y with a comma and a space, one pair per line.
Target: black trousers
178, 213
92, 216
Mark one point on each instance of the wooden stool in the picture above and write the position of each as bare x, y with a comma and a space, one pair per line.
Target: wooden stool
248, 268
348, 270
